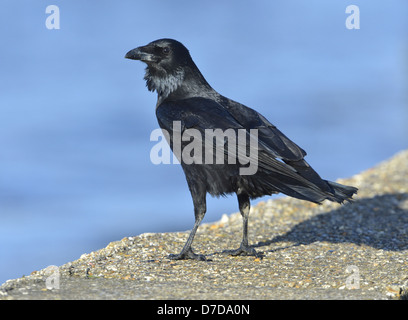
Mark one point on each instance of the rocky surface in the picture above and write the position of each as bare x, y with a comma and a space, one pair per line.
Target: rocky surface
354, 251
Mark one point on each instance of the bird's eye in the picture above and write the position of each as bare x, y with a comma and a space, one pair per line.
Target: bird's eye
166, 50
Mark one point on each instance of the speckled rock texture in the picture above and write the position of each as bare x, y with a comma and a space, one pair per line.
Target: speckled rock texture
354, 251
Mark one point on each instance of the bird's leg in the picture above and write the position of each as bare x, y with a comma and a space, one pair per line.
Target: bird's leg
187, 252
244, 249
199, 212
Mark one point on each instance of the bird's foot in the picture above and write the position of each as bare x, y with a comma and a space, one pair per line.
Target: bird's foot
187, 254
244, 251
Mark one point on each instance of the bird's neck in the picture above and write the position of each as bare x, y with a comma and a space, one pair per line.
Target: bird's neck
185, 82
164, 83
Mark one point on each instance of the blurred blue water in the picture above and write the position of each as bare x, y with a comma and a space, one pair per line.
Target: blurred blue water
75, 116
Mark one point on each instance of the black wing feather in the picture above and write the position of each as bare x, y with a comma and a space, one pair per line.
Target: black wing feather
202, 113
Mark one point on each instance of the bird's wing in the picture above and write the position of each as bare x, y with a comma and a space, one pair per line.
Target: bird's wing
276, 144
202, 114
194, 113
269, 136
198, 113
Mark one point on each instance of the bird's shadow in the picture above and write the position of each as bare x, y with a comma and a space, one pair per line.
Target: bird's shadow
380, 222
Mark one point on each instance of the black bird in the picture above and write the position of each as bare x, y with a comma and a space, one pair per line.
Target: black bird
184, 96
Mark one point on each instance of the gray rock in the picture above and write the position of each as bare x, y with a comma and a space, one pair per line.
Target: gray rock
355, 251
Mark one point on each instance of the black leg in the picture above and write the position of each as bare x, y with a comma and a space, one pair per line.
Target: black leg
199, 213
187, 252
244, 249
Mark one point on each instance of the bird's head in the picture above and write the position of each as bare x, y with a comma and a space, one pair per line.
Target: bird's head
163, 55
168, 64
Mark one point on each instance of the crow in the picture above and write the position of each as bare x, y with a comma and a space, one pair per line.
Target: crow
186, 103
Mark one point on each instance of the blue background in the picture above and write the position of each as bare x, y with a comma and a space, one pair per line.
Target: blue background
75, 116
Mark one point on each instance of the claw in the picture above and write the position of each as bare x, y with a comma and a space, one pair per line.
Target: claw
188, 254
243, 251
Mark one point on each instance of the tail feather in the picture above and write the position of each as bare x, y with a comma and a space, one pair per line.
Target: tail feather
342, 192
299, 180
332, 191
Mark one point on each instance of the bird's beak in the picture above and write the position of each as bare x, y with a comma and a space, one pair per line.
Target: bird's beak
140, 53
